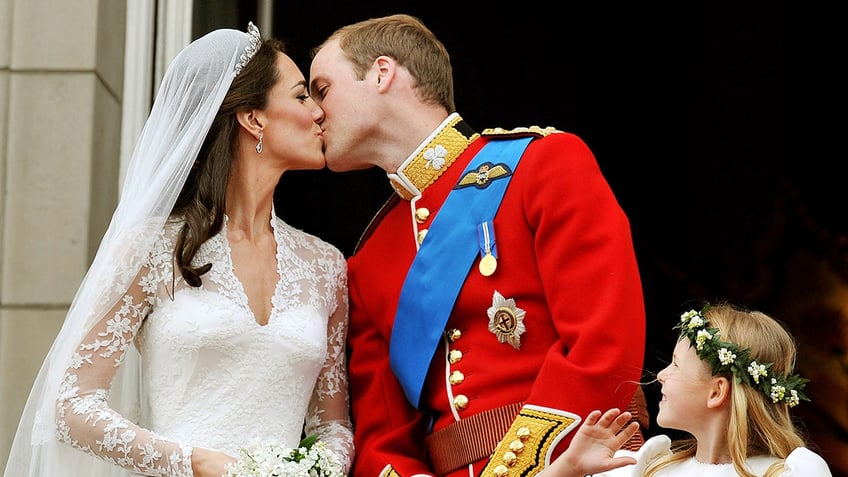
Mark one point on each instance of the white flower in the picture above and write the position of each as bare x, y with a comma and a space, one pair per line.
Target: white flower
757, 370
777, 393
726, 356
702, 337
684, 317
794, 399
696, 322
310, 459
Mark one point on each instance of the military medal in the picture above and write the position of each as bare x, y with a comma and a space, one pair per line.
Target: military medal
488, 264
488, 254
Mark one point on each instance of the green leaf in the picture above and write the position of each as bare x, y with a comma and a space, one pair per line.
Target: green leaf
308, 441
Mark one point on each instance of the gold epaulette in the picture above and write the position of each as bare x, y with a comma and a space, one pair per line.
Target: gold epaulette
518, 132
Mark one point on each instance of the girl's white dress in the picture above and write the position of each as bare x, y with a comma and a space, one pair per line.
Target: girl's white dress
801, 462
211, 375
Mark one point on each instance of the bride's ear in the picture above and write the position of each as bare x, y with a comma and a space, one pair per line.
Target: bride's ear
250, 121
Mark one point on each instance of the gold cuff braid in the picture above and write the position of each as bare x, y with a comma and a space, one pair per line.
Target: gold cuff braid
389, 471
525, 447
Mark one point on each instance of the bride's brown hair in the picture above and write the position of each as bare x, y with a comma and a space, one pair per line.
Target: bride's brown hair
202, 200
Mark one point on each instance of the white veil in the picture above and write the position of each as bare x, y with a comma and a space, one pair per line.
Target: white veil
188, 99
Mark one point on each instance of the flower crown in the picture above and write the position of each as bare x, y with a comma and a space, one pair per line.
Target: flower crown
254, 41
725, 356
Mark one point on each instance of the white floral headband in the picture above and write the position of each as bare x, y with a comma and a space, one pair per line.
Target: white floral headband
724, 356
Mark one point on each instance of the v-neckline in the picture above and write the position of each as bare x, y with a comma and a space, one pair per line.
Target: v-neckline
241, 291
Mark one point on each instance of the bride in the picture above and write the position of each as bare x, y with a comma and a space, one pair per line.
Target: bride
205, 322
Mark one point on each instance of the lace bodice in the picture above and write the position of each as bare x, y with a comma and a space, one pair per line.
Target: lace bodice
211, 375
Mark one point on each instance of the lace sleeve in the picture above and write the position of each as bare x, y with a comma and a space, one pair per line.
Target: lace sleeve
329, 415
84, 418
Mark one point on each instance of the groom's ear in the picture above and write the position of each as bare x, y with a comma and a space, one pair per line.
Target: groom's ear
385, 68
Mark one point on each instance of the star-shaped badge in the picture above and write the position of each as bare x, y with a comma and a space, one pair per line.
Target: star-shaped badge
506, 320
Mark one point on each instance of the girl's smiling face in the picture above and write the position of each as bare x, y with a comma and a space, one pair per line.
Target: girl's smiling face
686, 385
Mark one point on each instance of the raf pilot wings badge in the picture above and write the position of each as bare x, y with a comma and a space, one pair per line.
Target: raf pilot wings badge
481, 177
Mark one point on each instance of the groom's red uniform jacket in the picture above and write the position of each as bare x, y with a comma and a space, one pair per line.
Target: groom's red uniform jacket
565, 258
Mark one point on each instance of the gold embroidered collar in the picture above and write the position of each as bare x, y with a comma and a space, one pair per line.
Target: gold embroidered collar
432, 157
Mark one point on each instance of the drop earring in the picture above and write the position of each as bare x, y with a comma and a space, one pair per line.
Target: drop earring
259, 144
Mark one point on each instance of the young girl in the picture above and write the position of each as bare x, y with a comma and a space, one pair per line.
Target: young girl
730, 385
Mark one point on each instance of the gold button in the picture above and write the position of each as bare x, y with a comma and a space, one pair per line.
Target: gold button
456, 377
422, 214
421, 235
460, 402
454, 334
501, 471
509, 458
523, 433
454, 356
516, 446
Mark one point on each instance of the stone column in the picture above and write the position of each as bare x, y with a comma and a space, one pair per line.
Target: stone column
61, 76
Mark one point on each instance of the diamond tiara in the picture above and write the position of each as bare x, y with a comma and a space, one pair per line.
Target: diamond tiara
254, 40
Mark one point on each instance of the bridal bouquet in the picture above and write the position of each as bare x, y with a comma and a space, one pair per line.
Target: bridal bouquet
310, 459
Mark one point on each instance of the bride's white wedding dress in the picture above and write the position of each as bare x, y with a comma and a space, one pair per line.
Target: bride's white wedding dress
211, 375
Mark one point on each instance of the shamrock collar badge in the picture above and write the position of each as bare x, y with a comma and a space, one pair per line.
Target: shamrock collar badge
506, 320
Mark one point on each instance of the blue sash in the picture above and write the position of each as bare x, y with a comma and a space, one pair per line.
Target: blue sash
443, 260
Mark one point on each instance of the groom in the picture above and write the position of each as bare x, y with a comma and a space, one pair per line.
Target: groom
495, 299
